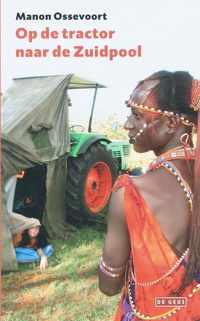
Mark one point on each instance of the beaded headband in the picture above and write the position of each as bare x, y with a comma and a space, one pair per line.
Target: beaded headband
148, 94
185, 121
195, 95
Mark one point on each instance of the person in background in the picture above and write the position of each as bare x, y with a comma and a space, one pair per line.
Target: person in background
152, 246
30, 241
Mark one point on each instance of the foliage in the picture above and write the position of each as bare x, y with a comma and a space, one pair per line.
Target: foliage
112, 127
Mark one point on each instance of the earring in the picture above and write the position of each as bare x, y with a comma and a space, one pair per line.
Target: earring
184, 139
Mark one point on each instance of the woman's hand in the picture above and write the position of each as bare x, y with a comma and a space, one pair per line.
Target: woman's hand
43, 263
43, 260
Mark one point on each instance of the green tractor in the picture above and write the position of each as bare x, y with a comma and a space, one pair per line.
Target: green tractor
93, 164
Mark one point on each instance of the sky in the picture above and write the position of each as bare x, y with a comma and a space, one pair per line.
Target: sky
168, 32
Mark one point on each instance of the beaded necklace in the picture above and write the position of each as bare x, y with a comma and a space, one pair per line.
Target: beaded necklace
164, 161
172, 269
189, 195
174, 153
183, 184
161, 161
162, 316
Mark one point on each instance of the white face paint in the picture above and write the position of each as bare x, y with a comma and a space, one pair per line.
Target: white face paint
139, 133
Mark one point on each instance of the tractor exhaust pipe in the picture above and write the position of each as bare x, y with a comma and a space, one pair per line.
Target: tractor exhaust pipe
92, 110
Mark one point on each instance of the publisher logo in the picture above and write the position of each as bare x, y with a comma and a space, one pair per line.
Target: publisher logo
170, 302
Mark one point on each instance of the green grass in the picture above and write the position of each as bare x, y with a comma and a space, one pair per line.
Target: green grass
67, 290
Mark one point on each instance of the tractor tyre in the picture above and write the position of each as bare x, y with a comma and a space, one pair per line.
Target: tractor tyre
90, 178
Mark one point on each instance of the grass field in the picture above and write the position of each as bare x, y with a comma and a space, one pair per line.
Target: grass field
67, 290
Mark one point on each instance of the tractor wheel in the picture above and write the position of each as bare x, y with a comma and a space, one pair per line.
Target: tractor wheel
89, 182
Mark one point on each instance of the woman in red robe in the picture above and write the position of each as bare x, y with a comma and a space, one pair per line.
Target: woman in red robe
152, 247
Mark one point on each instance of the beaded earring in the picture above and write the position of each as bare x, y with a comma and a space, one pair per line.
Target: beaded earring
184, 139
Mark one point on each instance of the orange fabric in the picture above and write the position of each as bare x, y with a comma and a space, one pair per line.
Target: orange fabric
152, 258
16, 238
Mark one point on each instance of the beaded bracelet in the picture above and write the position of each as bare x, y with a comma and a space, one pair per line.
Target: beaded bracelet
112, 275
111, 271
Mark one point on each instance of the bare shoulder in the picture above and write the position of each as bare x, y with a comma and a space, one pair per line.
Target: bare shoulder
116, 204
151, 186
143, 182
152, 181
159, 189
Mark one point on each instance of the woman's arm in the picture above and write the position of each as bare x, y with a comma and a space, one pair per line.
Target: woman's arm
43, 259
116, 249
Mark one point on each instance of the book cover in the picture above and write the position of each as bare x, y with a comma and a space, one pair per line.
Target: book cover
100, 50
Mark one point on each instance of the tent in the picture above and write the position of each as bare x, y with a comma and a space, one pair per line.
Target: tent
35, 131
